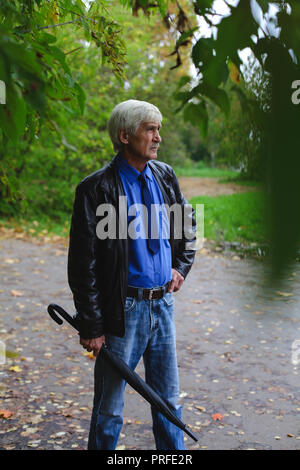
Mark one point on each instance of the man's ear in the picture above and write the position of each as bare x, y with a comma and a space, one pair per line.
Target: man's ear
123, 136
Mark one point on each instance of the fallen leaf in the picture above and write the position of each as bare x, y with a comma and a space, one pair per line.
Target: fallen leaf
36, 419
200, 408
67, 413
217, 416
16, 293
6, 414
284, 294
15, 369
29, 431
33, 443
90, 355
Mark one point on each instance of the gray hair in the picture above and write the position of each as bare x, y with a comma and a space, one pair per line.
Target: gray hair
129, 115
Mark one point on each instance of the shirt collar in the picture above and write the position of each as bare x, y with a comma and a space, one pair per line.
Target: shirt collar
130, 172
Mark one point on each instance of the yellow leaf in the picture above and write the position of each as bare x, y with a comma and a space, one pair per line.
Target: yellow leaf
90, 355
284, 294
15, 369
200, 408
234, 73
53, 13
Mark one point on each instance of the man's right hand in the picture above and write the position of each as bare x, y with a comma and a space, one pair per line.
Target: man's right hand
93, 344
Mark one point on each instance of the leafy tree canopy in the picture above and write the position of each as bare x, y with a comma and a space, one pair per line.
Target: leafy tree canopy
39, 79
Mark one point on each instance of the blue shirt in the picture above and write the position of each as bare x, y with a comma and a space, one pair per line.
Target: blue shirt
145, 268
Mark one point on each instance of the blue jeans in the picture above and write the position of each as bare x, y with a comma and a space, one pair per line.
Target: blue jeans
150, 332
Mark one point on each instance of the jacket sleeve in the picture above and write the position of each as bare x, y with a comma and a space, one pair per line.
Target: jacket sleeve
82, 265
187, 247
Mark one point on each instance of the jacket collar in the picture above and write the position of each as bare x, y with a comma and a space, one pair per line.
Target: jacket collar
110, 181
129, 171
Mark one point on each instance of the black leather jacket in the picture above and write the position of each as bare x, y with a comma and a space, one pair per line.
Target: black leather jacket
98, 269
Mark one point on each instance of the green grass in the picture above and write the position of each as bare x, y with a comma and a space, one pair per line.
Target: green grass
201, 171
237, 179
235, 218
37, 226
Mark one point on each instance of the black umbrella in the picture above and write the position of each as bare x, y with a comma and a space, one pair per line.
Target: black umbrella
128, 374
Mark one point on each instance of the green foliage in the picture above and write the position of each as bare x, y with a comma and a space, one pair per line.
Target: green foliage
47, 89
235, 30
234, 218
274, 42
44, 90
240, 138
197, 113
201, 170
41, 172
33, 67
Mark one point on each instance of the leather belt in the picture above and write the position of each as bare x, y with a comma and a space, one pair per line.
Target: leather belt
148, 294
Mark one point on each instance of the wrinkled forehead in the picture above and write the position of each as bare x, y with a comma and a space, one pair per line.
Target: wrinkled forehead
156, 124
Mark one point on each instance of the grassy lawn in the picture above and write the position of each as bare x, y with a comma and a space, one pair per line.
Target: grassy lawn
201, 171
236, 217
241, 182
37, 226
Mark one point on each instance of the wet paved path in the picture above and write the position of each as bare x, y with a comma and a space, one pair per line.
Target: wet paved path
234, 344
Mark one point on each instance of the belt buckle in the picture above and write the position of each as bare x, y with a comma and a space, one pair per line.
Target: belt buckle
151, 293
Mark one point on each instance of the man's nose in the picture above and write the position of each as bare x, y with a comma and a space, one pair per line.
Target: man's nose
157, 137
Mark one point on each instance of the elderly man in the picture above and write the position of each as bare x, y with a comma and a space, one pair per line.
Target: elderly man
123, 285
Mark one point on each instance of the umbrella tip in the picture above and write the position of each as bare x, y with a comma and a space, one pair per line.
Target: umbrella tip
191, 434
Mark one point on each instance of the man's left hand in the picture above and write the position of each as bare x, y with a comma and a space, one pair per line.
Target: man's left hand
177, 281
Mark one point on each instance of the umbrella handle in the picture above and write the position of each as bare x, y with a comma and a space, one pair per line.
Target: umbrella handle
53, 308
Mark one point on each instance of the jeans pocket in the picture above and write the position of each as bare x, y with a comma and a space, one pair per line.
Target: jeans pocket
168, 299
129, 304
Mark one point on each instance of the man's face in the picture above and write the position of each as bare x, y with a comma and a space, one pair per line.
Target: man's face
144, 144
